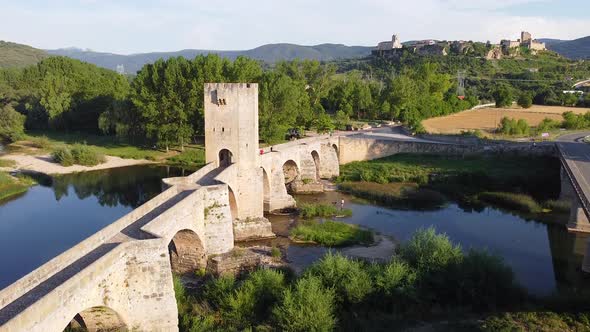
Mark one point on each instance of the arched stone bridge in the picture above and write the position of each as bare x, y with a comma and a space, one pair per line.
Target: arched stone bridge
122, 276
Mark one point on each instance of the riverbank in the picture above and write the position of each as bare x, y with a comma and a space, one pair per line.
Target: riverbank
520, 185
11, 186
45, 164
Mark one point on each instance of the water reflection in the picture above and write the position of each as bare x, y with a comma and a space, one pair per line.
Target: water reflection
62, 211
544, 258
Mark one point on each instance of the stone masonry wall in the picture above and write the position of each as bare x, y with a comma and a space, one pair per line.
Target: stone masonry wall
359, 149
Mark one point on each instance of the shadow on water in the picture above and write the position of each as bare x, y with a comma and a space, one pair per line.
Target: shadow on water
63, 210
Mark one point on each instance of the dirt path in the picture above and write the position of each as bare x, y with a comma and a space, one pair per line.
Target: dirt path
44, 164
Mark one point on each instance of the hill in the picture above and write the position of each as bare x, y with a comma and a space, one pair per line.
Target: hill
268, 53
573, 49
18, 55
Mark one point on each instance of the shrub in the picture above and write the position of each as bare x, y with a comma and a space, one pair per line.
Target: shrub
518, 202
514, 127
486, 282
85, 155
395, 278
428, 251
306, 307
41, 142
254, 298
79, 154
275, 252
63, 156
349, 278
332, 233
308, 211
546, 125
217, 291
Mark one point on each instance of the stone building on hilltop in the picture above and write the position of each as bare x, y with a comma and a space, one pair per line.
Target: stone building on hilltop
526, 40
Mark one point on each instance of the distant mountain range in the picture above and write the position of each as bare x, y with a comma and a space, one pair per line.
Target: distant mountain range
573, 49
268, 53
17, 55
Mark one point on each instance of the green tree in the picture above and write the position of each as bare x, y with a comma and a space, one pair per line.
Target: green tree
11, 124
165, 99
503, 96
525, 100
283, 104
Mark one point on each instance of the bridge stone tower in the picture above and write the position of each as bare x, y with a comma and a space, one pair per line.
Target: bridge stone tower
231, 141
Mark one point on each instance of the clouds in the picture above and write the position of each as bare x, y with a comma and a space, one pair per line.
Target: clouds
151, 25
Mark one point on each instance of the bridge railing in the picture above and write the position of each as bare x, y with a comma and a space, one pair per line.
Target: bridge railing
574, 181
47, 270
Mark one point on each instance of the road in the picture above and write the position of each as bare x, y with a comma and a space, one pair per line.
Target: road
577, 154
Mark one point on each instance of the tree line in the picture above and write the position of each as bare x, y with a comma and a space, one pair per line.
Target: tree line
163, 103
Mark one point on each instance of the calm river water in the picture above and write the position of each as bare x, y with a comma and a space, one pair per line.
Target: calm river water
52, 217
59, 213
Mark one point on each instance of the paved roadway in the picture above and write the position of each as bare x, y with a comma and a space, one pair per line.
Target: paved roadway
578, 155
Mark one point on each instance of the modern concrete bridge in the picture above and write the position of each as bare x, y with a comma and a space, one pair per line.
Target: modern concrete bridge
575, 159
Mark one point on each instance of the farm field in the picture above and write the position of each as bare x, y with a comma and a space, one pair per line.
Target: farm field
488, 119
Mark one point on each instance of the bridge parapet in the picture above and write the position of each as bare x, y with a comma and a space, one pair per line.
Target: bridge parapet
45, 271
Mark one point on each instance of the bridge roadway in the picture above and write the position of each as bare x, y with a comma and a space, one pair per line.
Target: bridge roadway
575, 157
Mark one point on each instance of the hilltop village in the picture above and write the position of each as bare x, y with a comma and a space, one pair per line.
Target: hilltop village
506, 47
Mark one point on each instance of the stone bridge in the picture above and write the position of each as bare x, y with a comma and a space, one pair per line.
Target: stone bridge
122, 276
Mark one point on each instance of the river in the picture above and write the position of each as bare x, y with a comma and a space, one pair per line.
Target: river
59, 213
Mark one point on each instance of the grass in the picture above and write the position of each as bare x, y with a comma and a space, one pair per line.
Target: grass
107, 145
537, 321
488, 119
7, 163
332, 233
420, 168
519, 202
191, 156
11, 186
309, 211
558, 206
400, 195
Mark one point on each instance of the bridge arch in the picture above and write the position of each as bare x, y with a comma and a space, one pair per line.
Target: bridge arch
335, 147
225, 158
187, 253
291, 173
233, 203
97, 319
265, 185
316, 160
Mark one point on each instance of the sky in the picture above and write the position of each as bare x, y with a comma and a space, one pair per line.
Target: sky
136, 26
